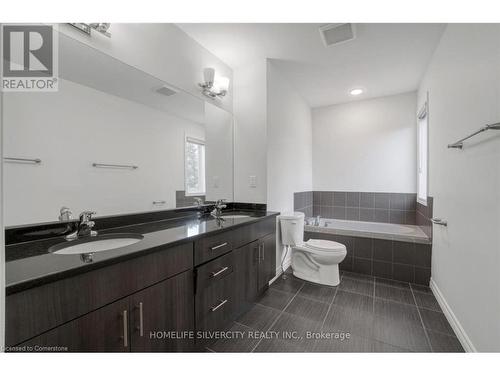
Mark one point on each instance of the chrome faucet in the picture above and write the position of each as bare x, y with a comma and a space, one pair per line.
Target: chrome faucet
84, 227
198, 202
317, 221
217, 211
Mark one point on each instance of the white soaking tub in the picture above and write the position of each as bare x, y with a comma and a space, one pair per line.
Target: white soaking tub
386, 231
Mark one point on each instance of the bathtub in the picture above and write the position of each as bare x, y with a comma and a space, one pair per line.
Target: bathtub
386, 231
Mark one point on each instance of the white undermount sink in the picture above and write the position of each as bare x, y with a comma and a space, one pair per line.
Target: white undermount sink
235, 216
96, 244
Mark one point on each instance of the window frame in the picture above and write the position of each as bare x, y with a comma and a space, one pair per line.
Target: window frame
199, 142
423, 120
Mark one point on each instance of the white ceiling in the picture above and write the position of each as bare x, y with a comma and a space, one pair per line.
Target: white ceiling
384, 59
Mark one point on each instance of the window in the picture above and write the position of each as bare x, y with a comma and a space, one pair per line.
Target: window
422, 154
194, 166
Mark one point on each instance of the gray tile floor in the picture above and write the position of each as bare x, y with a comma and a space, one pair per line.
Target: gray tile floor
379, 315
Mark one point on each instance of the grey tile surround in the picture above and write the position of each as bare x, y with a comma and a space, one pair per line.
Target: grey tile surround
181, 200
396, 260
397, 208
424, 215
303, 202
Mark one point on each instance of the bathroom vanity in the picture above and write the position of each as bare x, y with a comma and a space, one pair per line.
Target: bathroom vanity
186, 279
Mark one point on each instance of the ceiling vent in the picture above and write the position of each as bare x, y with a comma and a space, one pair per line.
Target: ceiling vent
165, 90
335, 33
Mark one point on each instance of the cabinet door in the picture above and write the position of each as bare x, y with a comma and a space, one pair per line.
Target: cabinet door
267, 262
104, 330
253, 271
246, 270
162, 315
270, 256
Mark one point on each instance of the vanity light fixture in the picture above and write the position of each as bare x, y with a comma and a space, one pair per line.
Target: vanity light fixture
214, 86
356, 92
101, 27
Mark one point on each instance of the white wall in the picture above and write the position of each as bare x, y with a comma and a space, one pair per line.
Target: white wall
463, 82
289, 142
366, 145
162, 50
250, 132
71, 129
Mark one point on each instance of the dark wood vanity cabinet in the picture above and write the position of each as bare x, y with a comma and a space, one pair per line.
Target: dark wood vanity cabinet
157, 302
227, 286
139, 323
255, 266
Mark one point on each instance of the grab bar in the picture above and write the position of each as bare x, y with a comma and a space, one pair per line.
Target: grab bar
119, 166
460, 144
22, 160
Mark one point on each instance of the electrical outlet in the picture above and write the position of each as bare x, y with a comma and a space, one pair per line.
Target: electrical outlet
252, 181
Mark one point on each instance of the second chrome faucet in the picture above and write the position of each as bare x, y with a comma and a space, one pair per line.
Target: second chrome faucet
217, 211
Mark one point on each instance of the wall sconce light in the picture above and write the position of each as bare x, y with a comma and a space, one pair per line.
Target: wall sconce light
214, 86
100, 27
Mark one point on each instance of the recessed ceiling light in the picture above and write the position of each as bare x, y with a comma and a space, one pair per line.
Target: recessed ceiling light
356, 92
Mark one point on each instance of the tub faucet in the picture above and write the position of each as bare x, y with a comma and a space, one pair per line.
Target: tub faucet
84, 227
316, 221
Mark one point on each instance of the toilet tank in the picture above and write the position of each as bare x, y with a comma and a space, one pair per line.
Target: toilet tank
292, 228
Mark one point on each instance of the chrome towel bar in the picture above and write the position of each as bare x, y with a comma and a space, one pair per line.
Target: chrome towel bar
119, 166
439, 222
22, 160
460, 144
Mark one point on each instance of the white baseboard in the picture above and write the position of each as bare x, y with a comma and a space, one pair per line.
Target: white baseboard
452, 319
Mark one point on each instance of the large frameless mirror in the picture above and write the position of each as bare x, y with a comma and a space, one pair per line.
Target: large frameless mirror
113, 139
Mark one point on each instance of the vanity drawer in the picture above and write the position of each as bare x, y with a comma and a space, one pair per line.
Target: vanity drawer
249, 233
214, 271
214, 305
211, 247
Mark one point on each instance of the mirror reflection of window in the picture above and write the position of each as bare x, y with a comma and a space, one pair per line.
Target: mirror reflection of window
195, 166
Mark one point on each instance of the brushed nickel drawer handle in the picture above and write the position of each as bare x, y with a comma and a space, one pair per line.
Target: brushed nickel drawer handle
218, 246
125, 328
222, 270
141, 320
215, 308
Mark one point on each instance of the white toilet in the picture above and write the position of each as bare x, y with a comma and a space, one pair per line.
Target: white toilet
315, 260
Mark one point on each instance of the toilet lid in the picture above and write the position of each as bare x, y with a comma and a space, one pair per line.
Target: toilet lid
325, 245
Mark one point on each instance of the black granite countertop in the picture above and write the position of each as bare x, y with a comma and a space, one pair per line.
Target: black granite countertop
30, 264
